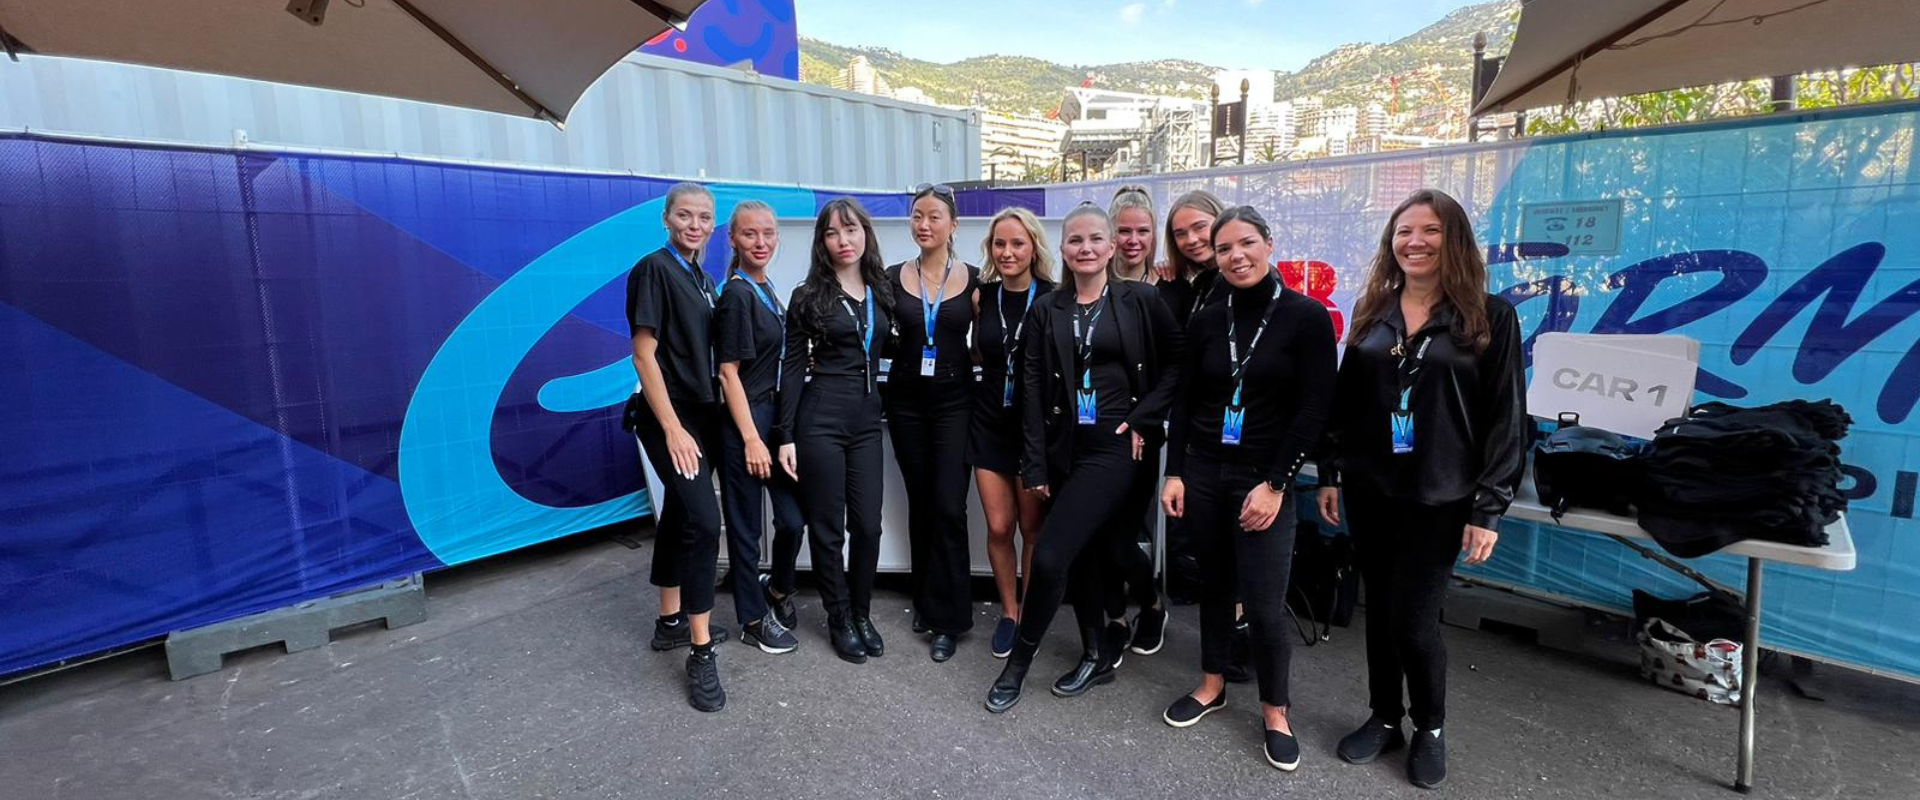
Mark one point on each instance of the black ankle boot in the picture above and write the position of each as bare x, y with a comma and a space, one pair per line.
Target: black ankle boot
1006, 688
846, 640
1095, 667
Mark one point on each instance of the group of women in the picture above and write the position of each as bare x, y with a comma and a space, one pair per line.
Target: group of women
1055, 398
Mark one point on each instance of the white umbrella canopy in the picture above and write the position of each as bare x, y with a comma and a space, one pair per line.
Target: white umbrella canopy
1572, 50
530, 58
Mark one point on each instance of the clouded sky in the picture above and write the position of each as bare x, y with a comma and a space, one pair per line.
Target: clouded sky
1271, 34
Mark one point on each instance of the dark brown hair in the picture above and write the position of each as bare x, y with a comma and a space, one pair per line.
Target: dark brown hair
1462, 270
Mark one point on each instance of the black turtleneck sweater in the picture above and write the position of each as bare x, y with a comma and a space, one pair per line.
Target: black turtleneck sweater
1287, 384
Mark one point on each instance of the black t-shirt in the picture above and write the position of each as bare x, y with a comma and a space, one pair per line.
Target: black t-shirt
952, 320
1286, 388
748, 331
677, 304
1002, 314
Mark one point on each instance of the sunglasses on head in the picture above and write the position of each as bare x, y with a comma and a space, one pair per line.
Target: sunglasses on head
937, 188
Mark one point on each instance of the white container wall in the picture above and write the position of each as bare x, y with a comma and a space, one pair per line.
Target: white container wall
647, 115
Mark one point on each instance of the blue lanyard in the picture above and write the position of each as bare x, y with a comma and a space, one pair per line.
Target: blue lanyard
1086, 341
1010, 339
866, 331
1238, 363
780, 314
930, 303
692, 273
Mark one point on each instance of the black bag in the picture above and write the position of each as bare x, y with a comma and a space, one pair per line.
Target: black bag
1324, 587
1588, 467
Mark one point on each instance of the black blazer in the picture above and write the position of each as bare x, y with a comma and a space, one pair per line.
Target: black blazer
1152, 342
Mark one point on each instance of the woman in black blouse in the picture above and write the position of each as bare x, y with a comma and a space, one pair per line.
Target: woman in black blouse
1256, 381
929, 410
1022, 273
677, 417
1099, 371
1428, 434
829, 430
749, 332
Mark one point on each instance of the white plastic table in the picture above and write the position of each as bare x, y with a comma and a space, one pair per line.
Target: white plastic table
1838, 555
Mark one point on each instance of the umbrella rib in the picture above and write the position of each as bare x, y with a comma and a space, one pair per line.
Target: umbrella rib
12, 45
461, 47
1594, 47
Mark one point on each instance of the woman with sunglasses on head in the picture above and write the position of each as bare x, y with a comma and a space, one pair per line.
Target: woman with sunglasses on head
749, 331
1425, 445
829, 429
1133, 578
929, 412
677, 417
1021, 275
1257, 378
1101, 364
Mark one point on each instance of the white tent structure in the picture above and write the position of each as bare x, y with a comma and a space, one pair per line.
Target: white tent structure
1571, 50
529, 59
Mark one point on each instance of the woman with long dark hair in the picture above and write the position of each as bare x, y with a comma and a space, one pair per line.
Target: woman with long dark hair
929, 411
838, 324
1101, 364
1256, 381
1021, 275
749, 331
1425, 446
677, 415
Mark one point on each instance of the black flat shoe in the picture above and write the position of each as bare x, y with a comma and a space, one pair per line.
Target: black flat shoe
943, 647
1094, 667
1006, 688
1370, 740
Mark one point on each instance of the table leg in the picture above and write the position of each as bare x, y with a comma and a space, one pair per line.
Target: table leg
1749, 677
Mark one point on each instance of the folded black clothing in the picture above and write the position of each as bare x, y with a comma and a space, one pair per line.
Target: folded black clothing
1723, 474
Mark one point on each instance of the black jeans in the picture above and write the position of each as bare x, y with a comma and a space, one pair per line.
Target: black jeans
686, 537
740, 495
1405, 551
929, 422
837, 442
1130, 576
1087, 521
1250, 566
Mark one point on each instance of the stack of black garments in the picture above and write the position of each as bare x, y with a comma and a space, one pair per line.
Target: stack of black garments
1724, 473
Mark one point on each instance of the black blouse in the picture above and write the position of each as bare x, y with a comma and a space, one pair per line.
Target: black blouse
829, 346
747, 331
953, 319
1285, 390
676, 303
1470, 425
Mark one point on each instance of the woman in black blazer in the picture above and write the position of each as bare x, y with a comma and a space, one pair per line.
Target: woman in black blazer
1101, 363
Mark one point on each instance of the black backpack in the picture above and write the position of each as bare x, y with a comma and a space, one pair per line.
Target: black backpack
1588, 467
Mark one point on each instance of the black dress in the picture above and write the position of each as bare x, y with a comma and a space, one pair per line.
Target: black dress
994, 443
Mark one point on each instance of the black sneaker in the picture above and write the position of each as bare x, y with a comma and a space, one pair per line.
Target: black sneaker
769, 635
1427, 759
703, 680
1283, 751
679, 633
1149, 631
1370, 740
1186, 711
1003, 634
782, 606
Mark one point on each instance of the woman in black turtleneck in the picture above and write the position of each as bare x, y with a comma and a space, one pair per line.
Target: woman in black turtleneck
1258, 374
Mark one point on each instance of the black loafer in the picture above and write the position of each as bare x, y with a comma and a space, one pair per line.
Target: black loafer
1283, 751
1186, 711
943, 647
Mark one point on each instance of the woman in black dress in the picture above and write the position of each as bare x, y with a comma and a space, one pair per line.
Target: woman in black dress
677, 417
929, 411
1101, 363
829, 429
1255, 386
1021, 275
1428, 438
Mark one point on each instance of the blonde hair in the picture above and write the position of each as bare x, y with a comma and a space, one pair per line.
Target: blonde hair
1088, 209
1199, 200
1136, 197
733, 222
1041, 267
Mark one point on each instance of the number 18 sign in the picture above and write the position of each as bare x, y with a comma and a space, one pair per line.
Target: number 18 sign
1586, 226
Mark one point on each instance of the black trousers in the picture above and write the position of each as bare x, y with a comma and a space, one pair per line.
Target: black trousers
1405, 551
686, 539
1130, 578
1086, 523
929, 423
740, 495
837, 442
1249, 566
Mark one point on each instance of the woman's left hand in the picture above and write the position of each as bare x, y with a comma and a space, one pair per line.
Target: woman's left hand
1260, 507
1139, 444
1477, 543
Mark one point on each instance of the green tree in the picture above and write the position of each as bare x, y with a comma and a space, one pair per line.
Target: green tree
1827, 89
